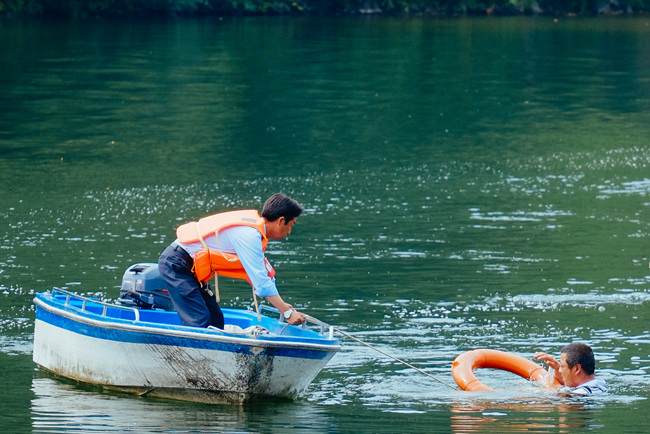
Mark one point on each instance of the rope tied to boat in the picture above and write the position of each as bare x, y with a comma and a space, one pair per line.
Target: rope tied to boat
216, 278
216, 274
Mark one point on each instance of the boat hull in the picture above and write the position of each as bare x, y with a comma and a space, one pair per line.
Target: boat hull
173, 361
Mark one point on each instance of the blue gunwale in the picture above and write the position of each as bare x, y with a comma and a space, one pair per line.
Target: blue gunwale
100, 320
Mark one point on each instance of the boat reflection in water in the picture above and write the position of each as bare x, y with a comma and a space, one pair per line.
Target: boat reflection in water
64, 406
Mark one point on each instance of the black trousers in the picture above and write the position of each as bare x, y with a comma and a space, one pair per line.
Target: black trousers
195, 306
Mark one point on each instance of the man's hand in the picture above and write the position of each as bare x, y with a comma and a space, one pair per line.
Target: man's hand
548, 359
277, 302
552, 363
296, 318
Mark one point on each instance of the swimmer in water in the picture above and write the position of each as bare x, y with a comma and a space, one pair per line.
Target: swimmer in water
576, 369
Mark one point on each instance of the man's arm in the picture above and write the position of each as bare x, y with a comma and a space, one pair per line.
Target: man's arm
247, 243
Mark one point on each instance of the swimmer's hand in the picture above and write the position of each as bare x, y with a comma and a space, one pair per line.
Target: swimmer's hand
552, 364
548, 359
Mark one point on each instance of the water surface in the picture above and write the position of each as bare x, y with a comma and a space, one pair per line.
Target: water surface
467, 183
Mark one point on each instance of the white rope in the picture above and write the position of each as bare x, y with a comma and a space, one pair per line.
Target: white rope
216, 275
205, 246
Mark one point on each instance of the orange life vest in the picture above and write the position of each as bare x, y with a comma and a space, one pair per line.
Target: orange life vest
208, 261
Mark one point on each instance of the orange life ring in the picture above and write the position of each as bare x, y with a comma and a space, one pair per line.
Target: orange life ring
463, 368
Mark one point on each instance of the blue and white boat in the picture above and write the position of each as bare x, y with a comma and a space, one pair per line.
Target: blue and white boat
148, 352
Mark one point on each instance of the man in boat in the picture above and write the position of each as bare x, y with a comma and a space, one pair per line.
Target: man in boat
576, 369
227, 244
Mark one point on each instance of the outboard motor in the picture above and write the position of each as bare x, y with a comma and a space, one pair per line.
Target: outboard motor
144, 288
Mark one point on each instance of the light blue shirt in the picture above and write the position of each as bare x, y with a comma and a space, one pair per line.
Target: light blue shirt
246, 243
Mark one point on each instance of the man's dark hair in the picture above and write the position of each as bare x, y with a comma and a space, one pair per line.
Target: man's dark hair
280, 205
578, 353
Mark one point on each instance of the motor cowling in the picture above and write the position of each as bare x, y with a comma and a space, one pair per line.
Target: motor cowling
144, 288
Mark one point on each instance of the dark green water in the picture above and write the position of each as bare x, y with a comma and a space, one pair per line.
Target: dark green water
468, 183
